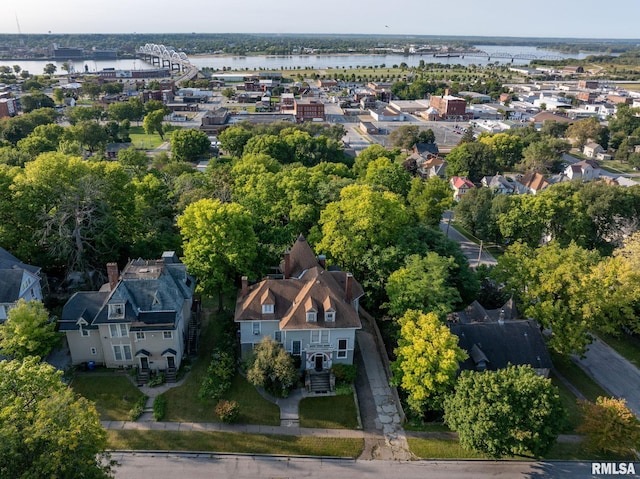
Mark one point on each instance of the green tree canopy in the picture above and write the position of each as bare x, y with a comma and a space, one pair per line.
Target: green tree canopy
370, 154
429, 199
218, 242
28, 331
389, 176
427, 361
234, 139
189, 144
153, 123
404, 136
272, 368
512, 411
423, 284
473, 160
35, 101
45, 429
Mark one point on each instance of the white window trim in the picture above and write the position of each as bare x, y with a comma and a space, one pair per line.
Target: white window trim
276, 334
342, 353
256, 331
122, 330
113, 311
84, 333
299, 353
122, 350
140, 336
330, 316
93, 351
167, 334
312, 316
268, 308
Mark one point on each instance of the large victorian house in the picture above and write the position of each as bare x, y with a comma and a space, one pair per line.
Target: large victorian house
17, 281
309, 309
141, 318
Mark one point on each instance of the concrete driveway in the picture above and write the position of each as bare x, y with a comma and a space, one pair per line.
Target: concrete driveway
614, 373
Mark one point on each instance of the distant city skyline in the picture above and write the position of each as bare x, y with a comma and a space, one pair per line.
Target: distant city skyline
545, 18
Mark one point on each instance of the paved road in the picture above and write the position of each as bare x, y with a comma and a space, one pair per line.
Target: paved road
470, 249
170, 466
613, 372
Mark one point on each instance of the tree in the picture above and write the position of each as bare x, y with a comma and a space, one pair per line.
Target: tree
50, 68
389, 176
475, 212
404, 136
28, 331
134, 161
610, 426
228, 93
506, 412
583, 131
429, 199
423, 284
58, 95
507, 149
91, 89
90, 134
370, 154
218, 242
153, 123
427, 361
473, 160
189, 144
46, 430
427, 136
234, 139
35, 101
272, 368
544, 156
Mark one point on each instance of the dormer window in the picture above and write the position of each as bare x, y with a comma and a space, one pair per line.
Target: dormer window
268, 301
267, 308
330, 316
329, 310
116, 311
312, 316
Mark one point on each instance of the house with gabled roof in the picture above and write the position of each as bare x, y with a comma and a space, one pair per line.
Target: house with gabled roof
531, 183
17, 281
141, 318
309, 309
499, 184
586, 170
460, 185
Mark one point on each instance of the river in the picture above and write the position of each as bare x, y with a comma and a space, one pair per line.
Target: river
304, 61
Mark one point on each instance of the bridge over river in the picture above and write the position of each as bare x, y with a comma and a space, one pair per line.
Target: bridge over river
168, 57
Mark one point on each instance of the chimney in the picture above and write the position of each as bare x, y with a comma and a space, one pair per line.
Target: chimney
322, 259
245, 286
287, 264
160, 263
347, 287
446, 92
112, 274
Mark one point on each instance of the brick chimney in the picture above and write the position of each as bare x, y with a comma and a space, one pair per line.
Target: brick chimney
322, 260
112, 274
348, 284
245, 286
287, 264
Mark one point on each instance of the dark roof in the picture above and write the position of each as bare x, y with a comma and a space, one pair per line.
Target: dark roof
84, 305
301, 257
143, 352
502, 343
421, 148
8, 261
169, 351
10, 283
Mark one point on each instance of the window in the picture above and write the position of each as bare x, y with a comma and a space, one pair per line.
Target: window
296, 347
277, 336
84, 332
267, 309
94, 351
320, 336
118, 330
167, 334
342, 348
122, 352
330, 316
311, 316
140, 335
116, 311
256, 328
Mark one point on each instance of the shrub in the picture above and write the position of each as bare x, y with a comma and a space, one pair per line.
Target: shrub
272, 368
159, 408
345, 373
138, 408
219, 375
610, 426
157, 380
228, 411
344, 389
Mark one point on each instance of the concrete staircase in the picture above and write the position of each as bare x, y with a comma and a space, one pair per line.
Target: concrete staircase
319, 382
143, 377
170, 375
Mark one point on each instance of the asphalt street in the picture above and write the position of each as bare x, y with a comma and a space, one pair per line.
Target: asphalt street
187, 466
470, 249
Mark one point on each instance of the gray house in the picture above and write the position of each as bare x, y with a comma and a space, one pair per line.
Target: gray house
312, 311
142, 318
17, 281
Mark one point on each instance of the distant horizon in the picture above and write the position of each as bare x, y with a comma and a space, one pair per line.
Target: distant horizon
546, 19
308, 34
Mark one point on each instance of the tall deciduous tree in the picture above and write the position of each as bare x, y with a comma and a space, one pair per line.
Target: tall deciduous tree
474, 160
28, 331
153, 123
429, 199
45, 429
389, 176
505, 412
423, 284
427, 360
404, 136
234, 139
189, 144
219, 243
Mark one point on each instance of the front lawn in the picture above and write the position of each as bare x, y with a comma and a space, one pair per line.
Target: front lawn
626, 345
570, 404
114, 395
440, 449
234, 442
331, 412
577, 377
184, 405
143, 141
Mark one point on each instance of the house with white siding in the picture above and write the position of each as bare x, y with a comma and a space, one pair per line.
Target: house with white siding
17, 281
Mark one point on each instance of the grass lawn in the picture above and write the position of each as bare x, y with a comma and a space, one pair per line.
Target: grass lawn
427, 427
333, 412
440, 449
577, 377
143, 141
183, 403
616, 166
114, 395
234, 442
626, 345
570, 403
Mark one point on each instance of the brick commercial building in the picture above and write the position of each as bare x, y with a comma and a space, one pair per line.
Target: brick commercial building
308, 109
8, 107
450, 107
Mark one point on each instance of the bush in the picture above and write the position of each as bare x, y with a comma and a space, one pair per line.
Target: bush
157, 380
345, 373
138, 408
159, 408
219, 375
344, 389
228, 411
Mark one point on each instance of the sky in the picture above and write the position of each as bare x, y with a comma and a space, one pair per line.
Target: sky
542, 18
